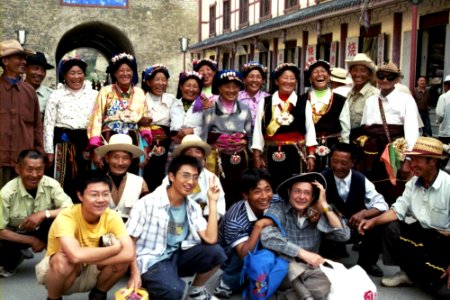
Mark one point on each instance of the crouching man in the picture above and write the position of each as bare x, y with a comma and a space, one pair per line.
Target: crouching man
79, 257
304, 226
172, 238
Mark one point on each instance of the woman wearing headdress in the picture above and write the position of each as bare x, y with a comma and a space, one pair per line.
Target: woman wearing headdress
227, 127
208, 69
159, 103
284, 137
66, 119
331, 113
254, 75
186, 113
119, 107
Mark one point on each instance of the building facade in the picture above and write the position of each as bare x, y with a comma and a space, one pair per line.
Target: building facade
274, 31
150, 30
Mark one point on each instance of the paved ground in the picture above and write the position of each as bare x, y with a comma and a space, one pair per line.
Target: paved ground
24, 286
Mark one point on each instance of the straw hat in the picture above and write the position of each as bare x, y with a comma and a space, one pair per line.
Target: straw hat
361, 59
191, 141
340, 75
283, 188
427, 147
120, 142
11, 47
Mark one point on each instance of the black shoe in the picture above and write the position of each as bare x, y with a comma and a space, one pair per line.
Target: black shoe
96, 294
373, 270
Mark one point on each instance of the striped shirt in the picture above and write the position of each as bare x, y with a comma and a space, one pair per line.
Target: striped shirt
237, 224
149, 222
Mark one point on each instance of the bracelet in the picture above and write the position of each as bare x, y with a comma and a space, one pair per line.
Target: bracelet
311, 156
328, 208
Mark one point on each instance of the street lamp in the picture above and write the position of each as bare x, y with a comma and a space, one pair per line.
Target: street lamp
184, 47
22, 36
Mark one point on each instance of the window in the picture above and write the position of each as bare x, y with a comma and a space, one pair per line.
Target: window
226, 15
290, 3
212, 20
264, 8
243, 11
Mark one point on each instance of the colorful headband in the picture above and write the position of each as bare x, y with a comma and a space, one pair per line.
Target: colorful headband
187, 74
121, 56
198, 63
253, 65
316, 63
152, 69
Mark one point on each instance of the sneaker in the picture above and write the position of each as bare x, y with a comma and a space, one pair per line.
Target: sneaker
397, 280
5, 274
200, 293
27, 253
223, 290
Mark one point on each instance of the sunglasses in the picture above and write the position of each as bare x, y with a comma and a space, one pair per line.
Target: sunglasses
389, 76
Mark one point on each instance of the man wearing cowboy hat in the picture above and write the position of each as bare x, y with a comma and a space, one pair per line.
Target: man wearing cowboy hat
304, 226
127, 188
36, 71
422, 248
388, 115
20, 117
361, 69
192, 145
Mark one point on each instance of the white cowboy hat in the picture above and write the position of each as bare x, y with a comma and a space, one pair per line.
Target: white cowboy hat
361, 59
120, 142
340, 75
190, 141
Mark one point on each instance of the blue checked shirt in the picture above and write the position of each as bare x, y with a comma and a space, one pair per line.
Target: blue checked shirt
298, 237
148, 223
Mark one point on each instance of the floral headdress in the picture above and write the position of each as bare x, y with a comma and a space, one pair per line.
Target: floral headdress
184, 76
253, 65
152, 70
197, 64
123, 58
67, 63
226, 76
316, 63
286, 66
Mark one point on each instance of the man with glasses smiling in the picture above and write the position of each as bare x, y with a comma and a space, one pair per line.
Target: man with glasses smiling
172, 238
389, 115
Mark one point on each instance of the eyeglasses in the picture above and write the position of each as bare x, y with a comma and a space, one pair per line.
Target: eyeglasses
389, 76
188, 176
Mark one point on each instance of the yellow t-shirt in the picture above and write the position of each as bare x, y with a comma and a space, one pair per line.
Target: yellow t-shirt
70, 222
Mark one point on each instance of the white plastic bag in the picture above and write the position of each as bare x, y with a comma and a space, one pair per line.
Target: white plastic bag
349, 284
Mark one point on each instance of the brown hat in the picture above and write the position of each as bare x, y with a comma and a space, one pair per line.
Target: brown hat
389, 67
361, 59
427, 147
11, 47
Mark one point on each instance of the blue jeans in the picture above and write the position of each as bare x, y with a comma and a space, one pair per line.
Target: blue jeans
232, 269
163, 281
426, 123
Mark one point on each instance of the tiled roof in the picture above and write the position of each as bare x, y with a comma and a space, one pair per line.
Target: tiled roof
271, 24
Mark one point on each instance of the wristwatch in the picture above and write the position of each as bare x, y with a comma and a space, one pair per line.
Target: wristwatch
328, 208
47, 214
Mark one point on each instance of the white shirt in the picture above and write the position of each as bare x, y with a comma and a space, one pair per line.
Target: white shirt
344, 116
67, 108
258, 138
159, 108
189, 119
372, 198
443, 114
399, 109
431, 207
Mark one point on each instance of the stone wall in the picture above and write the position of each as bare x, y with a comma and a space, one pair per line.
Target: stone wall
152, 27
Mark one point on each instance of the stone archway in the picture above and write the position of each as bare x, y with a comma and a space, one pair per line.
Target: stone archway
98, 35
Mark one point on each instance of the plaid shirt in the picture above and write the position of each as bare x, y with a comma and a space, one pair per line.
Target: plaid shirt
148, 223
298, 237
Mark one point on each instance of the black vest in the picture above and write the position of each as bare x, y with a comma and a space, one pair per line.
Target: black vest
356, 195
329, 123
298, 111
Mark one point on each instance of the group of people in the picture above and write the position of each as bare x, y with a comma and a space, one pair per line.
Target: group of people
137, 180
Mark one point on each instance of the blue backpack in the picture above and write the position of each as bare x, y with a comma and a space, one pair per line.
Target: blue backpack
263, 270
